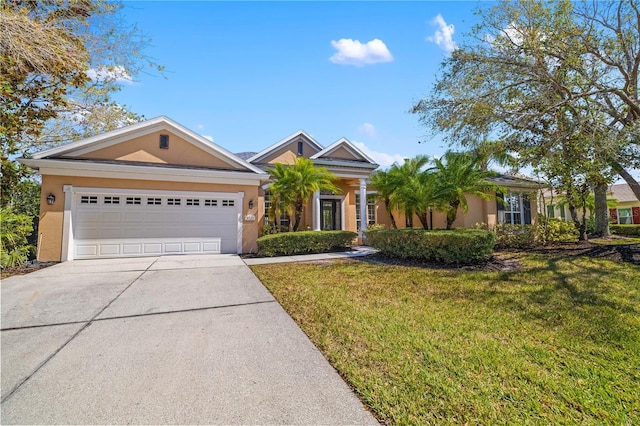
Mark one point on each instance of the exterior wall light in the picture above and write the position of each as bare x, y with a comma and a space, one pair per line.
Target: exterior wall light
51, 199
250, 204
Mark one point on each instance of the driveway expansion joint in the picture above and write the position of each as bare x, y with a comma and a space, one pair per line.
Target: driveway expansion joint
73, 336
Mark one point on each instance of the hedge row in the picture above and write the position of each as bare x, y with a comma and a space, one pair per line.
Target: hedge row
546, 231
626, 230
459, 246
304, 242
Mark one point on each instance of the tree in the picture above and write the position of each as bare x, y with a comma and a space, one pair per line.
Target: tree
412, 189
58, 60
294, 185
539, 74
457, 174
385, 189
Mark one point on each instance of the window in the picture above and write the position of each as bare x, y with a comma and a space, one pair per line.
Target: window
134, 200
111, 200
625, 217
173, 201
300, 144
228, 203
154, 201
88, 199
563, 214
551, 211
193, 202
371, 210
210, 203
283, 220
516, 209
164, 141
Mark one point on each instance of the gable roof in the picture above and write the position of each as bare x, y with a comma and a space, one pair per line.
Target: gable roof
343, 143
623, 193
94, 143
283, 142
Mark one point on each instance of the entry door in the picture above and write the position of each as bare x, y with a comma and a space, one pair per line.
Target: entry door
330, 217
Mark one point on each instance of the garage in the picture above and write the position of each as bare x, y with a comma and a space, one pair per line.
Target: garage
116, 223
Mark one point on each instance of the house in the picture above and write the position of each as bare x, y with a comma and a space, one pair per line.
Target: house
626, 210
512, 207
156, 187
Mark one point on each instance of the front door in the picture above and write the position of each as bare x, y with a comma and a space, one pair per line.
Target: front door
330, 215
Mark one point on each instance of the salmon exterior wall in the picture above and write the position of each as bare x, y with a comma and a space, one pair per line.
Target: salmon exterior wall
480, 211
147, 149
52, 216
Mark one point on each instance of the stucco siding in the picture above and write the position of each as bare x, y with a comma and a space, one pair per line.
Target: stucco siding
147, 149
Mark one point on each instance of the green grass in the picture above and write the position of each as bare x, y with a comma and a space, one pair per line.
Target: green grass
619, 241
557, 342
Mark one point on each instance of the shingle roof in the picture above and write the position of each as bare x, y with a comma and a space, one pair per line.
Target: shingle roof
622, 192
245, 155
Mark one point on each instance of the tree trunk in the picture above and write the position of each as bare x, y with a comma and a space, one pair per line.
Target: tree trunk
423, 219
387, 205
452, 213
633, 184
602, 217
298, 215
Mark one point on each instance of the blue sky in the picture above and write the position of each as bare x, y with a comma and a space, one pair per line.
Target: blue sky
249, 74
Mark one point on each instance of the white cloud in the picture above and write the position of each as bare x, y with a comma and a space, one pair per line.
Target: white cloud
353, 52
443, 36
200, 126
117, 73
208, 137
367, 129
383, 159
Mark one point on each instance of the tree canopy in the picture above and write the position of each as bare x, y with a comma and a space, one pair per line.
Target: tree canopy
556, 82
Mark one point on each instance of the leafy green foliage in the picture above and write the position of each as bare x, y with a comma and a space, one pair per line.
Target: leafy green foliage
626, 230
15, 231
305, 242
294, 184
546, 231
461, 246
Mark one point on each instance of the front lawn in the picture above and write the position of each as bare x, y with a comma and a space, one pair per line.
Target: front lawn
555, 342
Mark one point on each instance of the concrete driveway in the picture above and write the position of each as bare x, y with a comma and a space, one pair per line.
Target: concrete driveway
175, 339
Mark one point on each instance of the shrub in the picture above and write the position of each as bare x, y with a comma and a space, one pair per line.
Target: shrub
625, 230
15, 248
459, 246
515, 236
556, 231
304, 242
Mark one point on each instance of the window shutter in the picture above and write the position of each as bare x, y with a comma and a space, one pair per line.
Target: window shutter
636, 215
613, 214
499, 201
526, 206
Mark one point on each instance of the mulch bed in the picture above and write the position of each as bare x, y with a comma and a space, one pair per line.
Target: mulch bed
508, 260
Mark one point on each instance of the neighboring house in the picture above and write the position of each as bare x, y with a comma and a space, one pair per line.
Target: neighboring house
627, 210
156, 187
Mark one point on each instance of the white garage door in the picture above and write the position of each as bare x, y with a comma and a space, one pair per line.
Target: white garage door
131, 224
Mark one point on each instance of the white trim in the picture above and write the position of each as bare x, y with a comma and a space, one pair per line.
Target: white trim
353, 165
240, 196
316, 211
127, 171
123, 134
67, 224
364, 217
348, 146
312, 142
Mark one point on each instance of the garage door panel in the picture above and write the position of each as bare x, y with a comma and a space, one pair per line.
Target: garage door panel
137, 225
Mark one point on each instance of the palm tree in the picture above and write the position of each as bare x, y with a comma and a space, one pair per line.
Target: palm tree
413, 188
385, 186
294, 184
457, 174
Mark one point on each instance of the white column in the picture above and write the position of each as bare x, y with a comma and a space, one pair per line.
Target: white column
363, 209
239, 209
316, 211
